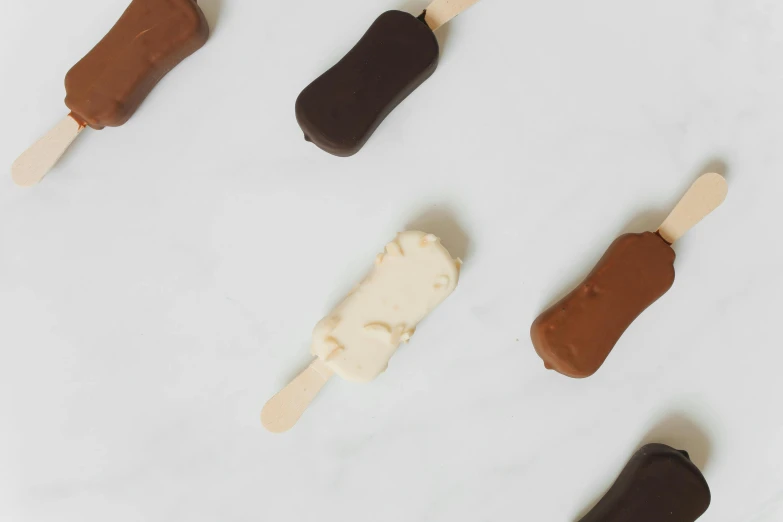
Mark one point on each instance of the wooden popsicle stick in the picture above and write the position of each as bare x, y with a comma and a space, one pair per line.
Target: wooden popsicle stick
705, 195
282, 411
35, 162
440, 12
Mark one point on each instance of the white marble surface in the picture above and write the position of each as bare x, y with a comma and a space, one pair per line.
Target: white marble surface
147, 310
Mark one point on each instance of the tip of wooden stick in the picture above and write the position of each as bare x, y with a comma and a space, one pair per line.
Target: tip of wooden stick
272, 421
282, 411
706, 194
38, 160
721, 187
23, 176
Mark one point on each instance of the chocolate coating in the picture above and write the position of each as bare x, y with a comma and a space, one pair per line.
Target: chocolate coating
341, 109
151, 37
574, 337
659, 484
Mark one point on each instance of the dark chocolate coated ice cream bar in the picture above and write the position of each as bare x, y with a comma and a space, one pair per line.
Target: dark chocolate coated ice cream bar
341, 109
659, 484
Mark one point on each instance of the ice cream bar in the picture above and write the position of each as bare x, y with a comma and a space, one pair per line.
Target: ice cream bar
151, 37
575, 336
341, 109
412, 277
357, 339
658, 484
107, 86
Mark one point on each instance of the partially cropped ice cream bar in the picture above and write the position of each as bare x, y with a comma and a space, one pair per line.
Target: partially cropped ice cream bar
413, 275
659, 484
151, 37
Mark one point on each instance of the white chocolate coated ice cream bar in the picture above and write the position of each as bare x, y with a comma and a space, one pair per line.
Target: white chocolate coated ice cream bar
357, 339
413, 276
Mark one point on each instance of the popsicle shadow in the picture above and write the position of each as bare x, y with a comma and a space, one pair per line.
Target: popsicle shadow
443, 223
442, 35
680, 432
211, 10
582, 514
675, 430
414, 7
715, 165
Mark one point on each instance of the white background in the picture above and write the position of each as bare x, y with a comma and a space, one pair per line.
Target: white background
161, 283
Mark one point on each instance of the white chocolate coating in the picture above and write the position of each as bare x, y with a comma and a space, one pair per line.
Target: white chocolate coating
414, 275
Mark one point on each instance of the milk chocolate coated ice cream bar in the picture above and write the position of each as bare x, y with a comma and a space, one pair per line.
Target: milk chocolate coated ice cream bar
106, 87
151, 37
576, 335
